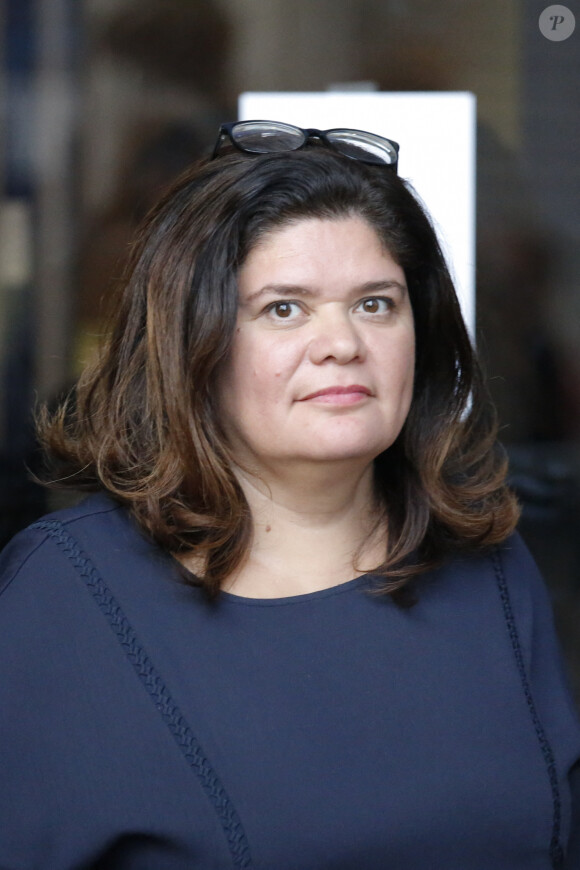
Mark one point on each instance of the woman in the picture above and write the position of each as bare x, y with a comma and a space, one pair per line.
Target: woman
293, 628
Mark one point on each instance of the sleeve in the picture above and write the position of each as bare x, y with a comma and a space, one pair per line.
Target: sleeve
573, 856
546, 685
28, 692
92, 774
53, 709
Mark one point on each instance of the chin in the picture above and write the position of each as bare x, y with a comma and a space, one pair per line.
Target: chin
344, 452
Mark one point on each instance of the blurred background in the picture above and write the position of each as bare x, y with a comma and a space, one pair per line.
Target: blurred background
103, 102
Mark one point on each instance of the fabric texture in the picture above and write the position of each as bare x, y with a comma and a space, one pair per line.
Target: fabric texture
143, 727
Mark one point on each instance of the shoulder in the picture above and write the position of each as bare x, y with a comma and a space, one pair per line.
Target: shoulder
500, 592
507, 572
71, 566
524, 599
529, 619
36, 549
526, 606
514, 565
54, 560
65, 582
504, 573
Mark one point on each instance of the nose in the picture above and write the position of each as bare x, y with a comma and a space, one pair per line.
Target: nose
335, 338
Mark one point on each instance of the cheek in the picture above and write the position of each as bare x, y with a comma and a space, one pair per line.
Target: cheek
409, 359
257, 374
408, 376
397, 362
266, 364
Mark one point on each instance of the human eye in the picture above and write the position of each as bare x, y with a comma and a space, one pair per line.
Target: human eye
283, 310
375, 305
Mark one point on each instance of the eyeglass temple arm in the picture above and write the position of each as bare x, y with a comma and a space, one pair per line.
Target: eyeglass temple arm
224, 133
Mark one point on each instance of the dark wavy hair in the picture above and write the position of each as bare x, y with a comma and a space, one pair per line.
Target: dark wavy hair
142, 422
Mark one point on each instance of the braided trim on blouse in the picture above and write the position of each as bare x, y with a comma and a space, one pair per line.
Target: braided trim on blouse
556, 851
157, 690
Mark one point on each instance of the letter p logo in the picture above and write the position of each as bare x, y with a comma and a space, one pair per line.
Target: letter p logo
557, 23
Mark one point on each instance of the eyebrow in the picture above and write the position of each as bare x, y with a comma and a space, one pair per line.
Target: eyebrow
297, 290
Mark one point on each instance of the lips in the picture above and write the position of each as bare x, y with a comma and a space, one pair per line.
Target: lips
353, 390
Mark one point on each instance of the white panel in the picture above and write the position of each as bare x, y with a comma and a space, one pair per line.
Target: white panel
436, 132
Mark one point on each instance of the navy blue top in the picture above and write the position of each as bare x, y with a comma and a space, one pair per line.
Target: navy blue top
143, 727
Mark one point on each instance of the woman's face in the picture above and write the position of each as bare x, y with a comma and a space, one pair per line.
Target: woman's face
322, 362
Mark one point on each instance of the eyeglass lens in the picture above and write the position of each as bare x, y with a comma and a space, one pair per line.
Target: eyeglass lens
263, 138
362, 146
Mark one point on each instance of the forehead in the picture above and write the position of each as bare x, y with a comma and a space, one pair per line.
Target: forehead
327, 242
298, 225
319, 259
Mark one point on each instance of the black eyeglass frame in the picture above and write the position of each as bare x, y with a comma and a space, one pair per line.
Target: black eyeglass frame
227, 130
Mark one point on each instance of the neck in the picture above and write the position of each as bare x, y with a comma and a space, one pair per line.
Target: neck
313, 528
